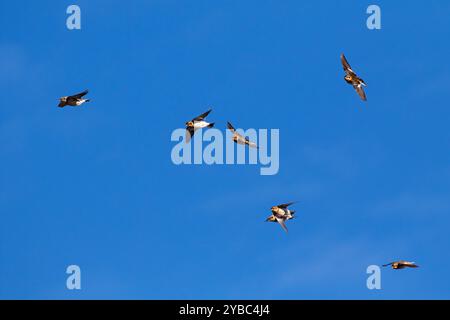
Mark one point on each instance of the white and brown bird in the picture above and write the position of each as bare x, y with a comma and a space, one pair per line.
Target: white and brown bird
197, 123
75, 100
281, 214
401, 264
239, 139
352, 79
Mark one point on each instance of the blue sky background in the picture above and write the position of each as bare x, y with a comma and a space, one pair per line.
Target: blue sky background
95, 186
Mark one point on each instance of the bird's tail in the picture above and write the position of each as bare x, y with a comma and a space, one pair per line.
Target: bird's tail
87, 100
211, 125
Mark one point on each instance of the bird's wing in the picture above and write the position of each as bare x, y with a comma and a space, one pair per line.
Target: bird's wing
359, 89
202, 116
345, 64
282, 224
189, 133
79, 95
410, 264
251, 144
230, 127
285, 205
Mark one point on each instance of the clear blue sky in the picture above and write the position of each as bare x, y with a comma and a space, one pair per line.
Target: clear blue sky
95, 186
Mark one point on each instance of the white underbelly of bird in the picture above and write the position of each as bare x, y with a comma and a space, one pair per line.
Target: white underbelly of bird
201, 124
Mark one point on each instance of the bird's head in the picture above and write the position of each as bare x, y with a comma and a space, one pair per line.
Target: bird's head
190, 123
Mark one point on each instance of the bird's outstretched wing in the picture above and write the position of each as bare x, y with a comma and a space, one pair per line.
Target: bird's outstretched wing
359, 89
202, 116
409, 264
282, 224
79, 95
345, 64
285, 205
230, 127
251, 144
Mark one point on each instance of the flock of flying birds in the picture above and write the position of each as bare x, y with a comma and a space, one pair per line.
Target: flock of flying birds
280, 213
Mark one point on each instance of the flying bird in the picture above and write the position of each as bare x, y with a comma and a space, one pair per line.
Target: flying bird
239, 139
353, 79
281, 214
75, 101
401, 264
197, 123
